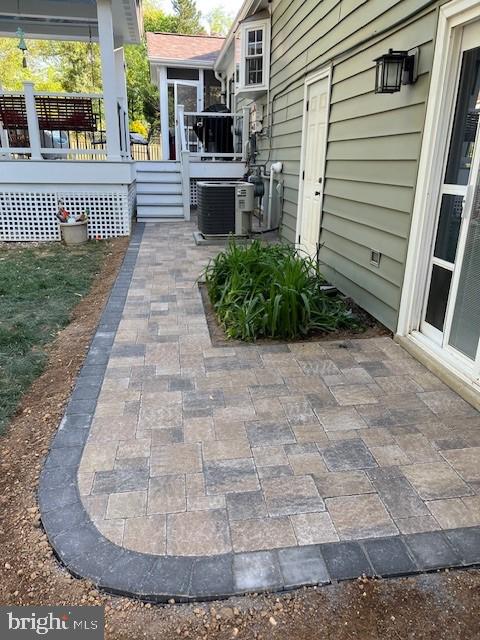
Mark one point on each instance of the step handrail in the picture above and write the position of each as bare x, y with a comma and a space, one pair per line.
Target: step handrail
183, 155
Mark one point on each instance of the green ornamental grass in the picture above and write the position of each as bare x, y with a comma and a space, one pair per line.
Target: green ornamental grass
271, 291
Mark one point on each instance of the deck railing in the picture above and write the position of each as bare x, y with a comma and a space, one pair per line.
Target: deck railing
211, 135
41, 125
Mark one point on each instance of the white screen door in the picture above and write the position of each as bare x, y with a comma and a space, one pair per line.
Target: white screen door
188, 93
314, 145
452, 302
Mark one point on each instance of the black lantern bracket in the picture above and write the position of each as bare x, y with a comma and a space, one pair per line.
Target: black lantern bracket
410, 66
396, 68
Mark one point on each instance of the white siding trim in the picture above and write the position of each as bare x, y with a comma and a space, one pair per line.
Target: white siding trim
451, 15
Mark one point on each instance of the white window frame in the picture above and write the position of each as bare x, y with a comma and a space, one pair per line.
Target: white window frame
255, 25
452, 16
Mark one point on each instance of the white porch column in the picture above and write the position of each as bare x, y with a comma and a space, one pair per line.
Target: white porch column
122, 99
107, 57
163, 90
201, 91
32, 122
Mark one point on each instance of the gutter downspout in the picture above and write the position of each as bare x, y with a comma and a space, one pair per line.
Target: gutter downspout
221, 79
276, 167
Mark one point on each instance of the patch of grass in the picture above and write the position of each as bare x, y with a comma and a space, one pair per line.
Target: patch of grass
39, 287
271, 291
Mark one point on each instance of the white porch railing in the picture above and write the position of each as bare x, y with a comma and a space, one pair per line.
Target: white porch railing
211, 135
39, 125
183, 154
199, 136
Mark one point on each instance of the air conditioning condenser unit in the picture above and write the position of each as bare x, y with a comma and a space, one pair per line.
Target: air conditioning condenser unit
225, 208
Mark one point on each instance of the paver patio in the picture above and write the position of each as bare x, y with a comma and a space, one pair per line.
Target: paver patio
196, 450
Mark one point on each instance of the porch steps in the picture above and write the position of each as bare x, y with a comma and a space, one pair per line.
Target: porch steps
159, 191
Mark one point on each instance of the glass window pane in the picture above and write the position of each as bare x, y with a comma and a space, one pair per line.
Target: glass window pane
448, 227
254, 70
438, 296
251, 36
465, 330
182, 74
466, 120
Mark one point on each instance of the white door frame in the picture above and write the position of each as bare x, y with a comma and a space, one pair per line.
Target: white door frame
190, 83
442, 94
311, 79
198, 84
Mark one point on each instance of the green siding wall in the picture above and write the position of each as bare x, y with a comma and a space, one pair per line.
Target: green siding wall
373, 140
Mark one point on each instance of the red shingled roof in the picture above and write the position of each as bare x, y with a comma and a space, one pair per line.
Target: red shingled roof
174, 46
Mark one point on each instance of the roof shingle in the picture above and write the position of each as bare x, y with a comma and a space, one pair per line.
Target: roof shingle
175, 46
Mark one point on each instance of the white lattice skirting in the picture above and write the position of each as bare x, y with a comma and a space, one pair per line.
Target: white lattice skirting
30, 215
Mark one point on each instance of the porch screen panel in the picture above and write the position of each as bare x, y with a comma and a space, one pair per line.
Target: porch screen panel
465, 331
212, 89
182, 74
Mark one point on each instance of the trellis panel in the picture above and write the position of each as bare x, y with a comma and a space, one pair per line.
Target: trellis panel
30, 215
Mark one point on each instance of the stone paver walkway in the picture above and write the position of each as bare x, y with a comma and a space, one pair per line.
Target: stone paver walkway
196, 450
181, 469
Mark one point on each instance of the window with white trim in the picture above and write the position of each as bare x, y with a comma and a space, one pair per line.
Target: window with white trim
255, 47
254, 57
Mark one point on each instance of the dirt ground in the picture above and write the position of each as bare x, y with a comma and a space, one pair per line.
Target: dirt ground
439, 606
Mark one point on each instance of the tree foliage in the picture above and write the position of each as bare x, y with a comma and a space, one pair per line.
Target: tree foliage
77, 63
187, 17
44, 73
52, 66
75, 66
154, 19
219, 21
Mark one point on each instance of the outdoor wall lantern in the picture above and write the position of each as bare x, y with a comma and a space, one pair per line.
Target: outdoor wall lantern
394, 69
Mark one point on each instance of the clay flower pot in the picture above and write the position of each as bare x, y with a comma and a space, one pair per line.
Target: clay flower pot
73, 233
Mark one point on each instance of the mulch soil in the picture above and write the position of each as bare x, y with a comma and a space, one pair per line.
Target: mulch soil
438, 606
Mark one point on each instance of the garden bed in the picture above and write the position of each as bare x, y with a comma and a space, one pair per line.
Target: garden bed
371, 328
261, 292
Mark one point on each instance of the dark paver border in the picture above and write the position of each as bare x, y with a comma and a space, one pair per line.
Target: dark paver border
86, 553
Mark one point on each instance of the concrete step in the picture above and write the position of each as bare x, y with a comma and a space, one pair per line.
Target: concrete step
149, 212
161, 187
169, 166
162, 199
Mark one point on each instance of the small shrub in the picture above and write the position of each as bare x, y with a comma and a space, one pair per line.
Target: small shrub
270, 291
138, 127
